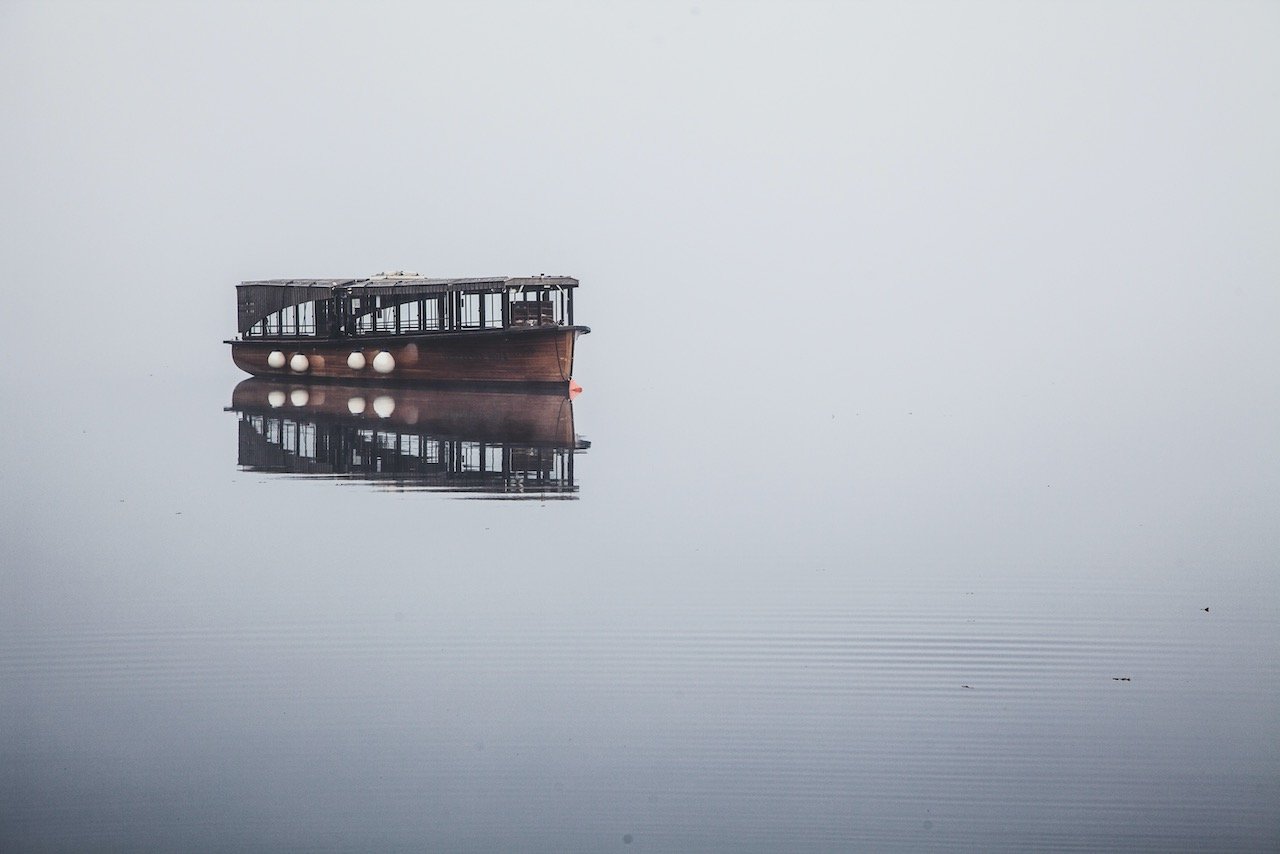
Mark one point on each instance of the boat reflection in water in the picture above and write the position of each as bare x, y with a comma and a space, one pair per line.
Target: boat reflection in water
479, 443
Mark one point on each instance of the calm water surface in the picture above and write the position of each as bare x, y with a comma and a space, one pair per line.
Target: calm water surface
762, 622
923, 495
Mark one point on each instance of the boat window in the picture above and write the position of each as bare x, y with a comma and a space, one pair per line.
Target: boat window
272, 323
431, 451
431, 314
298, 319
529, 461
470, 455
363, 311
386, 315
560, 462
306, 319
307, 441
469, 316
531, 308
411, 317
291, 432
493, 310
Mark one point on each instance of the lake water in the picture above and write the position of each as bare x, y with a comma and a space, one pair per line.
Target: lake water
924, 493
763, 621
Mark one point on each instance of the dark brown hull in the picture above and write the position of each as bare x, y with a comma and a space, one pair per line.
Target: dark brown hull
542, 419
536, 355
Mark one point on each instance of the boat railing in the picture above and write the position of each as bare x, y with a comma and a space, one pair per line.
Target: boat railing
348, 314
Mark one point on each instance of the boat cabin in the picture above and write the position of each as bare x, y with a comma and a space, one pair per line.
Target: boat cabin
400, 303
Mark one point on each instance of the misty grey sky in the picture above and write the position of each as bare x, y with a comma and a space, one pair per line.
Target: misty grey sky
924, 200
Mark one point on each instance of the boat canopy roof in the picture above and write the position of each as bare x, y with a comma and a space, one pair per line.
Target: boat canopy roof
257, 299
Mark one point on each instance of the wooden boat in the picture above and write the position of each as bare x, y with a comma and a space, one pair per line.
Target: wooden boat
474, 442
403, 327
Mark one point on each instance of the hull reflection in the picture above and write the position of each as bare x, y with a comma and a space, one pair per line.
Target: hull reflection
478, 443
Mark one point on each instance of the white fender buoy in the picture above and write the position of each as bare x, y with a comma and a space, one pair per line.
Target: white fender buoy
299, 363
275, 398
356, 361
355, 405
299, 397
384, 362
275, 359
384, 405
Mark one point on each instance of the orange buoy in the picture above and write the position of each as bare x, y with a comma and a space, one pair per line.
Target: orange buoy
574, 389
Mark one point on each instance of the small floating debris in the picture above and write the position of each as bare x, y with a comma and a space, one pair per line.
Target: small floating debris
1121, 679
